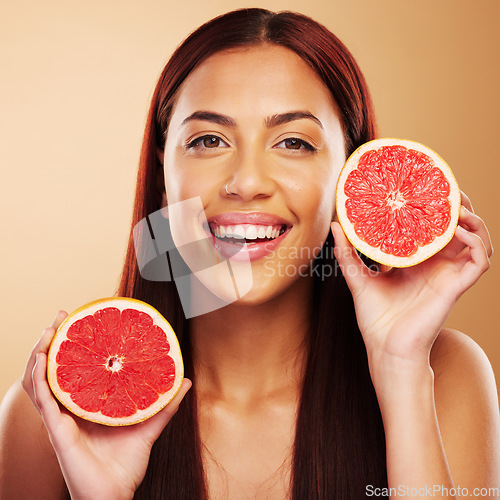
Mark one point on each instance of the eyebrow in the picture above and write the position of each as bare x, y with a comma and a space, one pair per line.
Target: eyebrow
270, 122
276, 120
208, 116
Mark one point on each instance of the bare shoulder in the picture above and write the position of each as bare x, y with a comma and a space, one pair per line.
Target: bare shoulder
467, 408
462, 370
455, 353
28, 465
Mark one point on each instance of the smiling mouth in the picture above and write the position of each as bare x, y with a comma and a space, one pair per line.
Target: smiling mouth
250, 234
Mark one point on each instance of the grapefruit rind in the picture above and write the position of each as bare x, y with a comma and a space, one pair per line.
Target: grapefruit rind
120, 303
374, 253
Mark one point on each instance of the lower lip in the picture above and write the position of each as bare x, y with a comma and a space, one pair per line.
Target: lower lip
251, 251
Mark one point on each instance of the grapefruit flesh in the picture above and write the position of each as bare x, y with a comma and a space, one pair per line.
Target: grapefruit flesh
115, 361
397, 201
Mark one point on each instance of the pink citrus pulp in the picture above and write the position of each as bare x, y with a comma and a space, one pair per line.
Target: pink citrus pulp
115, 361
397, 201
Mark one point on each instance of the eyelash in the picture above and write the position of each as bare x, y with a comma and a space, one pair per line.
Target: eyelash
304, 145
195, 142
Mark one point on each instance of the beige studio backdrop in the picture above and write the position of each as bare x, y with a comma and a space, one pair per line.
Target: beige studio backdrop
76, 78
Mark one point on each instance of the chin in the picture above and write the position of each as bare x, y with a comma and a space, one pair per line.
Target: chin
269, 290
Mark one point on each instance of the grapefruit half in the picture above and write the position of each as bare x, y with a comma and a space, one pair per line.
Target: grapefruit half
115, 361
397, 201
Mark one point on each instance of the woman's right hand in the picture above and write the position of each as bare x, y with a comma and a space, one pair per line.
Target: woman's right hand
97, 461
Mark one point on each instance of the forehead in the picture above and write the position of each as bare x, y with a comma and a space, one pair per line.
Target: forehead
256, 81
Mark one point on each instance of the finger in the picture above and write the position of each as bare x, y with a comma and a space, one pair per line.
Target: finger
350, 263
465, 201
44, 399
475, 224
60, 317
478, 261
42, 346
453, 248
44, 341
154, 425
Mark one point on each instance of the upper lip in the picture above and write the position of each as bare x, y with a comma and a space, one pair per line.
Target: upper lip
256, 218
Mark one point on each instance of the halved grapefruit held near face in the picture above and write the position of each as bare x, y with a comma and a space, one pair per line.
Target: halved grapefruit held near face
397, 201
115, 361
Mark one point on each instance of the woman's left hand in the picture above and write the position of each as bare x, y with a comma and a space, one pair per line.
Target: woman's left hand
400, 312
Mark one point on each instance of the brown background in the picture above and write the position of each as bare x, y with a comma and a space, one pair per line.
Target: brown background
76, 78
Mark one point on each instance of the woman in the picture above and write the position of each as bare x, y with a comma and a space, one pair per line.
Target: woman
308, 386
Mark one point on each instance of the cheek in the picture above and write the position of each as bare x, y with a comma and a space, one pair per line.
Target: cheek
182, 181
316, 200
182, 187
320, 213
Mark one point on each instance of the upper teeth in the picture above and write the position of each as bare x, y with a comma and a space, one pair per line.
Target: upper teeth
245, 231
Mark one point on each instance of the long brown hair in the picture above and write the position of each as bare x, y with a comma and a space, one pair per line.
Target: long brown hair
339, 445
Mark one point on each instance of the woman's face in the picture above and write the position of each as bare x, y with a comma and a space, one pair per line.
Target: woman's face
257, 123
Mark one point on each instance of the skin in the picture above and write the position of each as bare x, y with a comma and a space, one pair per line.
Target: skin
435, 387
253, 159
255, 413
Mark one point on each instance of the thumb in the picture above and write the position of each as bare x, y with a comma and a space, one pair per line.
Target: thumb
354, 270
153, 426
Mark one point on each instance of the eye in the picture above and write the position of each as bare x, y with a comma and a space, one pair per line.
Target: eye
295, 143
207, 142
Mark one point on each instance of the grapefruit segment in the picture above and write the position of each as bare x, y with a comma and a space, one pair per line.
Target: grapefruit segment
397, 201
115, 361
107, 323
73, 353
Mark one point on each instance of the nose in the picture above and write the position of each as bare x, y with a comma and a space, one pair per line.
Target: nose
250, 177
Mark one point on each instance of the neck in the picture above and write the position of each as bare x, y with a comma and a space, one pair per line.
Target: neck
244, 352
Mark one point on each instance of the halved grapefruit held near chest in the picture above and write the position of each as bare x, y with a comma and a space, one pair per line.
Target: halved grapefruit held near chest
397, 201
115, 361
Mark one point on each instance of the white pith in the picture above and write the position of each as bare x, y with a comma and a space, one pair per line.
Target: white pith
246, 231
121, 304
395, 201
114, 363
